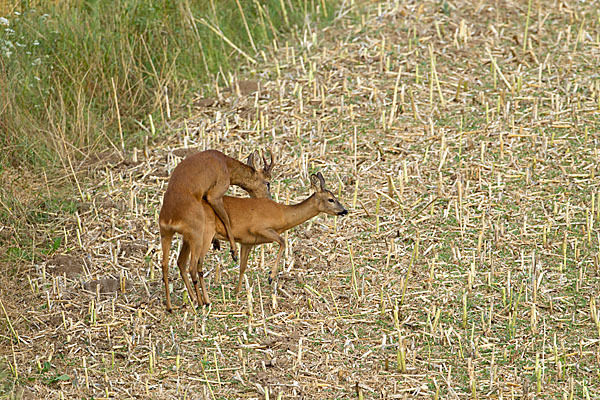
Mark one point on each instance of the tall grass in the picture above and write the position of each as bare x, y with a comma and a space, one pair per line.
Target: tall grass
65, 69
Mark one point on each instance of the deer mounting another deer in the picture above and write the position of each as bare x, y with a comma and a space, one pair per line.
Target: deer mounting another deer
253, 221
205, 177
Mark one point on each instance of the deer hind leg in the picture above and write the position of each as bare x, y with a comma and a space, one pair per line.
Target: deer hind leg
184, 256
165, 241
216, 202
194, 271
244, 253
206, 243
199, 250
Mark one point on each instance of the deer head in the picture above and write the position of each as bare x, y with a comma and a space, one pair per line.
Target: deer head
326, 201
260, 183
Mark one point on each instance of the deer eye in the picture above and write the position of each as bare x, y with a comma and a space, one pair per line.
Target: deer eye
331, 201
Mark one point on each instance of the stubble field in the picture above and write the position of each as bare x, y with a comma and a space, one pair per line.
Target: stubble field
462, 137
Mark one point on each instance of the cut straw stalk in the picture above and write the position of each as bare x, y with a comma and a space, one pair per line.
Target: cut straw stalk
112, 81
497, 68
12, 330
285, 16
435, 76
218, 32
395, 98
354, 280
526, 25
401, 356
246, 25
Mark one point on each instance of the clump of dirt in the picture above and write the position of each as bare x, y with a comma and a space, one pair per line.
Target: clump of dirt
107, 285
66, 264
137, 248
247, 87
206, 102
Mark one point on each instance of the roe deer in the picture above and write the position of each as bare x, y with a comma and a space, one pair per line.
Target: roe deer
206, 176
253, 221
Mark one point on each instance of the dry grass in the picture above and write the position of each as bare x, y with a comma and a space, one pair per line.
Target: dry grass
467, 268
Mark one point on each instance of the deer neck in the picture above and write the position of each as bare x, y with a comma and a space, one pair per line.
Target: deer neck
299, 213
240, 173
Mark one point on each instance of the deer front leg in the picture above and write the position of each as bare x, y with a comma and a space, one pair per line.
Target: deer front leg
217, 246
217, 204
218, 274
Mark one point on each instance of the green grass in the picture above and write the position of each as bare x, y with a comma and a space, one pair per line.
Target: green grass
65, 69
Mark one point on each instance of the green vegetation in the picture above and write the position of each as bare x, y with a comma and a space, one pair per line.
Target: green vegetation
66, 69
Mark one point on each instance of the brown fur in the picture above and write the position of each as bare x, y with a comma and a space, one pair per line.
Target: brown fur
205, 177
254, 221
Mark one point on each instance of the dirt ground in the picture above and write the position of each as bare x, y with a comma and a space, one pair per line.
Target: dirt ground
462, 137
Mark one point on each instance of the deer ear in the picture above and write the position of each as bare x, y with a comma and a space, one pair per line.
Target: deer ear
252, 159
268, 166
315, 183
321, 180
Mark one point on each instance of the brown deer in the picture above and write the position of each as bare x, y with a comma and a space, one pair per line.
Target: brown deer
253, 221
206, 176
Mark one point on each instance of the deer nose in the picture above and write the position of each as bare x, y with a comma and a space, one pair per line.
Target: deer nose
345, 212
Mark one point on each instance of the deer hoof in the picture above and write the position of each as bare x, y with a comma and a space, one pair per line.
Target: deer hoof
270, 280
234, 256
